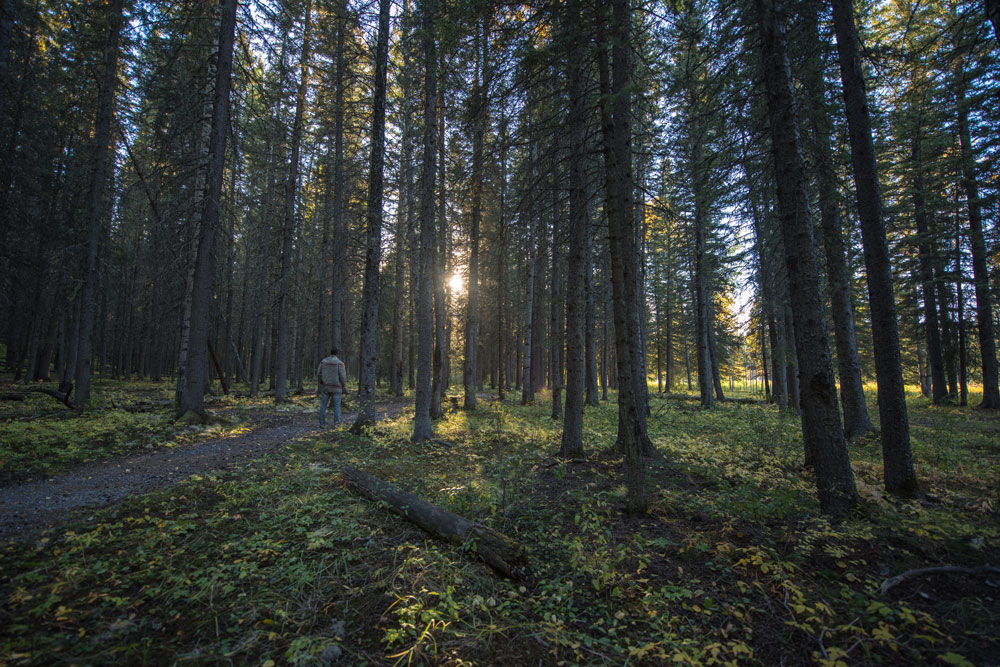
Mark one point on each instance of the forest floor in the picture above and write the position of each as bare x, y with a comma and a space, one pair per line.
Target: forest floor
29, 506
274, 560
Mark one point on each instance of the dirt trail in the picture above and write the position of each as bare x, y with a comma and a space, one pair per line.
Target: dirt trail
35, 505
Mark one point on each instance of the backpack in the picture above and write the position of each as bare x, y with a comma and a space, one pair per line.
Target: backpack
328, 376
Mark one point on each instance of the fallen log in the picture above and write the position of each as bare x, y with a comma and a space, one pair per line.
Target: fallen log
58, 395
503, 554
944, 569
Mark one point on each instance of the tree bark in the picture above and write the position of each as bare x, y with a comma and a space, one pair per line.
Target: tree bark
401, 330
716, 375
501, 299
980, 269
949, 350
556, 314
852, 395
616, 130
939, 391
899, 474
590, 318
440, 305
700, 270
218, 367
398, 325
192, 396
425, 315
538, 373
503, 554
8, 19
368, 353
792, 362
339, 233
438, 388
576, 307
963, 362
822, 431
776, 334
527, 386
480, 120
288, 231
95, 197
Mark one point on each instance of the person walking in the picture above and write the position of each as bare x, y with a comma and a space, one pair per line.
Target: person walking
332, 379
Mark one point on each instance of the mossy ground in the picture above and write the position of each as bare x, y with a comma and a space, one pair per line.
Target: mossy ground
279, 562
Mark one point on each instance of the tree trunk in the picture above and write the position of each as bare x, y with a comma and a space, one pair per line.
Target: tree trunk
288, 231
192, 396
963, 362
437, 370
339, 233
537, 376
576, 265
668, 340
556, 315
590, 317
852, 395
401, 327
95, 198
939, 391
480, 107
527, 387
716, 375
604, 349
822, 431
194, 220
776, 331
398, 325
8, 19
425, 308
980, 269
501, 301
768, 332
948, 348
322, 327
792, 362
922, 374
899, 474
616, 131
368, 352
702, 309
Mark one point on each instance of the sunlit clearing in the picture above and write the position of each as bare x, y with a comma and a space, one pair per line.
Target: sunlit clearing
456, 283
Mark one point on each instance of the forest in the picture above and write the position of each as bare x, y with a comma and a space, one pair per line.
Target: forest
669, 326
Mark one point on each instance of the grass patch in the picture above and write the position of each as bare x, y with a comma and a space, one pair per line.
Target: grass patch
279, 562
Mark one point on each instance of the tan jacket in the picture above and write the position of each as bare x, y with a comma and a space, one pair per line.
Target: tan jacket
331, 375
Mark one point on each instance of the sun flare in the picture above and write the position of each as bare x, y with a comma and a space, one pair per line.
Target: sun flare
456, 283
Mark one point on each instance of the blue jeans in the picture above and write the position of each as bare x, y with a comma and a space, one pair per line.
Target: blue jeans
329, 398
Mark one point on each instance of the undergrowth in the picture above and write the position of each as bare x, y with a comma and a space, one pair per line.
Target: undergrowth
278, 563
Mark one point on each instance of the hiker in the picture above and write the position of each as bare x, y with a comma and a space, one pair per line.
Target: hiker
332, 379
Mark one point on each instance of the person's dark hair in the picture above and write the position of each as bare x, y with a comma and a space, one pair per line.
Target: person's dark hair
334, 351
